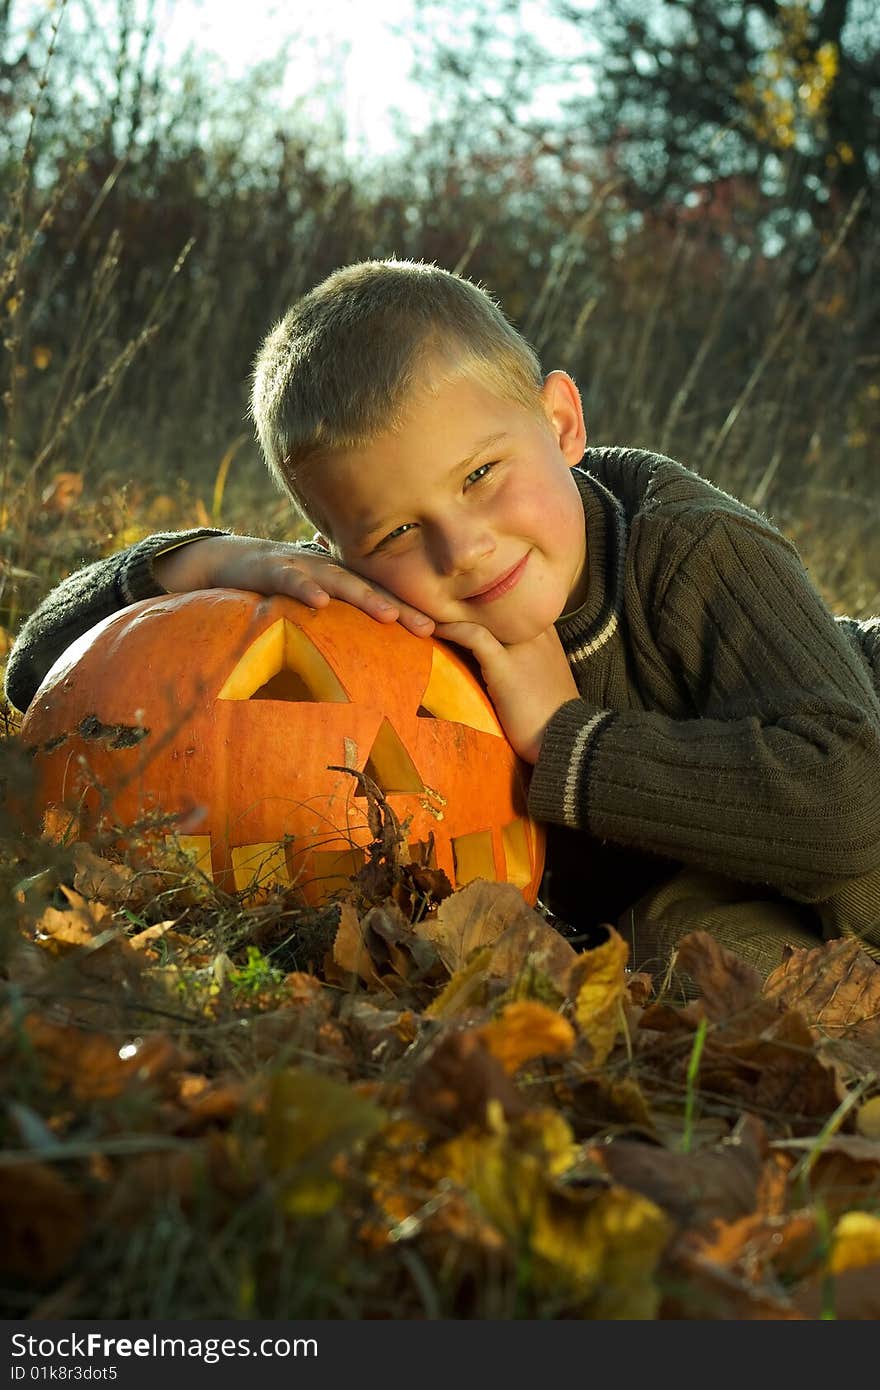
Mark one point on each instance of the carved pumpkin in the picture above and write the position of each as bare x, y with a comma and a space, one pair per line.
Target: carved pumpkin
227, 708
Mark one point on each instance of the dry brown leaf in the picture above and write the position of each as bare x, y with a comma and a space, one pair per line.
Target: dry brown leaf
758, 1247
836, 988
476, 915
43, 1220
730, 988
466, 991
598, 1101
62, 493
597, 984
76, 926
87, 1065
525, 1030
350, 950
694, 1188
843, 1169
791, 1080
700, 1289
529, 949
458, 1079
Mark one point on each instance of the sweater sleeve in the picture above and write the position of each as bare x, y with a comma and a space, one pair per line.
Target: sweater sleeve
772, 775
82, 600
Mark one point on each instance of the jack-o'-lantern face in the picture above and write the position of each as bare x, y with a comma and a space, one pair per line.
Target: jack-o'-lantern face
232, 709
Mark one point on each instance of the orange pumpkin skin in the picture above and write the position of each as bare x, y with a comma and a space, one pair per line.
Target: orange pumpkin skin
229, 709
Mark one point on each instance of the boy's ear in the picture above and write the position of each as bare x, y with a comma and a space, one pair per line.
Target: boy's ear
562, 405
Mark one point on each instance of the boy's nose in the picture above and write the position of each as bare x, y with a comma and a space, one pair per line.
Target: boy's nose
462, 548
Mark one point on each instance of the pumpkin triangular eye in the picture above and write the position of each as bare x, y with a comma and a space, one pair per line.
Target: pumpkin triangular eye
450, 697
283, 664
389, 765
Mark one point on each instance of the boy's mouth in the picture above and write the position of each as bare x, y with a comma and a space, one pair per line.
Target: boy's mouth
502, 585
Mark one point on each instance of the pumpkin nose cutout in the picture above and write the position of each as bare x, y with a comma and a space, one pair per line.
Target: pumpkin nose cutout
389, 765
283, 664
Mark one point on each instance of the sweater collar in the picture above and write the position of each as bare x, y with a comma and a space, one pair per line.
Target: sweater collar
585, 630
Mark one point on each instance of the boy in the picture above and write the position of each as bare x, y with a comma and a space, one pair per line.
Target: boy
698, 723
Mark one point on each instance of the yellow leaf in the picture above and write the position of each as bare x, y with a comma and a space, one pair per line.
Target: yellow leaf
856, 1241
868, 1118
41, 357
598, 1245
311, 1119
526, 1030
598, 983
466, 988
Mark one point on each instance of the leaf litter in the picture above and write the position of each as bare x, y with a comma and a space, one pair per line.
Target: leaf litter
411, 1078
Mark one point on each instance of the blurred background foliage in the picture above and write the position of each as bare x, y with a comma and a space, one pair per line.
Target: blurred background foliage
675, 200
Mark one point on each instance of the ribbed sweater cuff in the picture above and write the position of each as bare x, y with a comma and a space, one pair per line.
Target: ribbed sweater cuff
136, 579
558, 790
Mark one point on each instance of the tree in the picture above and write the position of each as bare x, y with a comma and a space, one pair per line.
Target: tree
783, 95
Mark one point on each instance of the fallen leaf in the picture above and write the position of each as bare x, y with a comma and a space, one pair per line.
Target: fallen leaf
720, 1183
525, 1030
78, 925
729, 988
412, 1194
760, 1249
474, 916
310, 1119
854, 1296
855, 1242
63, 492
836, 988
597, 984
467, 989
697, 1288
530, 954
597, 1101
350, 949
458, 1080
843, 1169
868, 1118
44, 1221
600, 1245
88, 1066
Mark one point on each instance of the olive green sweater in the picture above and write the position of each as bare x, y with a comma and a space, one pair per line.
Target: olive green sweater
726, 719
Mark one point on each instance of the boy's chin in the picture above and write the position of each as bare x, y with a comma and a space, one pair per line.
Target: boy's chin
519, 627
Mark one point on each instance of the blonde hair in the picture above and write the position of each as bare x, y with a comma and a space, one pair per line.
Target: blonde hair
340, 367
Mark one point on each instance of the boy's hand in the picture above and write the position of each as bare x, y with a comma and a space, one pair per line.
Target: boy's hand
277, 567
527, 681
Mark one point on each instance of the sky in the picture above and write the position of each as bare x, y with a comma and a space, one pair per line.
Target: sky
358, 49
355, 39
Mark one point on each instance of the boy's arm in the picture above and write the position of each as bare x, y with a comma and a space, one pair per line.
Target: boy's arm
769, 769
179, 563
81, 601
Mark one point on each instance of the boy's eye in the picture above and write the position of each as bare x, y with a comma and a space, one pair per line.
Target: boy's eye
479, 473
393, 535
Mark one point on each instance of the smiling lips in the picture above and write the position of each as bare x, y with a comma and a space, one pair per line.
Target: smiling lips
499, 587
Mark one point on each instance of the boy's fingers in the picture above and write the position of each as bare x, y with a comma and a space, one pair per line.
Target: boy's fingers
341, 583
473, 636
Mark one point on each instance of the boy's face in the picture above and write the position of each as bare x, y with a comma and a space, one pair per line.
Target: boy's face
469, 512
